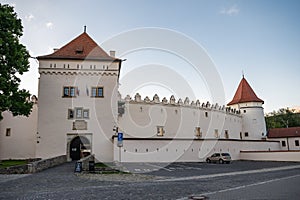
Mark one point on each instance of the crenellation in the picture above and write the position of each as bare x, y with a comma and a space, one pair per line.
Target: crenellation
147, 99
137, 97
180, 103
186, 103
165, 101
172, 100
156, 99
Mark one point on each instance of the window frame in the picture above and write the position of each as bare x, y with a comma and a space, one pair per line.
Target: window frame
69, 114
160, 131
8, 132
226, 134
198, 132
88, 114
96, 93
69, 88
76, 113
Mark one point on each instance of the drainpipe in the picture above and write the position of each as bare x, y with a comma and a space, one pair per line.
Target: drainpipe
288, 145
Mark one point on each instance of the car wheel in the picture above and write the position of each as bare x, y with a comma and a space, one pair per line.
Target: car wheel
208, 161
221, 161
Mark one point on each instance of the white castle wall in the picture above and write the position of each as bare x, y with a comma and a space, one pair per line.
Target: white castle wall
142, 143
23, 135
179, 119
145, 150
54, 127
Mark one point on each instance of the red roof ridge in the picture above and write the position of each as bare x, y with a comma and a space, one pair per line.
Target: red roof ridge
284, 132
80, 48
244, 93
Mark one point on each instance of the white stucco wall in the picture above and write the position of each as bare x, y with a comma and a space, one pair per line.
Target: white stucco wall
253, 120
141, 119
53, 123
21, 143
139, 150
289, 156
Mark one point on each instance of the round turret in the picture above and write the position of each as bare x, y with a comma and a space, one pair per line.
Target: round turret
245, 99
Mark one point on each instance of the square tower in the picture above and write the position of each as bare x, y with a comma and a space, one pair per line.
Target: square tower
78, 89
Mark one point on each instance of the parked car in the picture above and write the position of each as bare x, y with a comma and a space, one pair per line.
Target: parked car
219, 158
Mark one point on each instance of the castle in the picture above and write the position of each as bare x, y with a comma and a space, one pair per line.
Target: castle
79, 112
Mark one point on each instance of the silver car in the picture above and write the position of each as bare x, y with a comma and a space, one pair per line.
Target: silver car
219, 158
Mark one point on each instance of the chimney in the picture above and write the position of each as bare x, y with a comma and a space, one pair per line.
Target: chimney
112, 53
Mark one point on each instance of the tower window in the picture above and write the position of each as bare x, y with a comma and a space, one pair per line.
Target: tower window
97, 92
246, 134
69, 91
70, 114
86, 113
206, 114
244, 111
8, 132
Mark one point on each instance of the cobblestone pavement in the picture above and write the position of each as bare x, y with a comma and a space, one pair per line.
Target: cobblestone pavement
176, 181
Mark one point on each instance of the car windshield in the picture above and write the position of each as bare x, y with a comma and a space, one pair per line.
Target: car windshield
225, 154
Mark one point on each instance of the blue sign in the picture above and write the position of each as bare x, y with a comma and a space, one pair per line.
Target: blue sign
120, 136
120, 139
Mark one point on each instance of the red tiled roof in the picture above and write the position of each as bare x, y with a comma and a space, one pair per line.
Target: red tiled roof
284, 132
81, 48
244, 94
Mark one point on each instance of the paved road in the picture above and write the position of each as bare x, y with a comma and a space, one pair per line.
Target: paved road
240, 180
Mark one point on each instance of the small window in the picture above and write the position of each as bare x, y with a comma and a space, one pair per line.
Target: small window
160, 131
8, 132
226, 134
86, 113
78, 113
50, 65
97, 92
245, 111
70, 114
283, 143
246, 134
198, 132
54, 65
216, 133
69, 92
297, 143
206, 114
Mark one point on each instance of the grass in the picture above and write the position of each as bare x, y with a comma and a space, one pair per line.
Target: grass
100, 165
9, 163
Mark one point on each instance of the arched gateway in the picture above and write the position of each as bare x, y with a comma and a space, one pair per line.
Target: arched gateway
79, 147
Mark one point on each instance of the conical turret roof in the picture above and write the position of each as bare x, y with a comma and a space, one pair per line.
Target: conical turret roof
244, 93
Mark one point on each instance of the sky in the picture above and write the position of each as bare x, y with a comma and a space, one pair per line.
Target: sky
260, 39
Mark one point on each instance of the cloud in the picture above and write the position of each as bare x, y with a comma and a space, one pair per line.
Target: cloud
29, 17
232, 11
49, 25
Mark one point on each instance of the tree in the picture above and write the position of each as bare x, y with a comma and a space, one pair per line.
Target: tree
282, 118
13, 63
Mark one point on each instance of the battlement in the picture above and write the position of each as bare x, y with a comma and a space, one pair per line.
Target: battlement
180, 103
